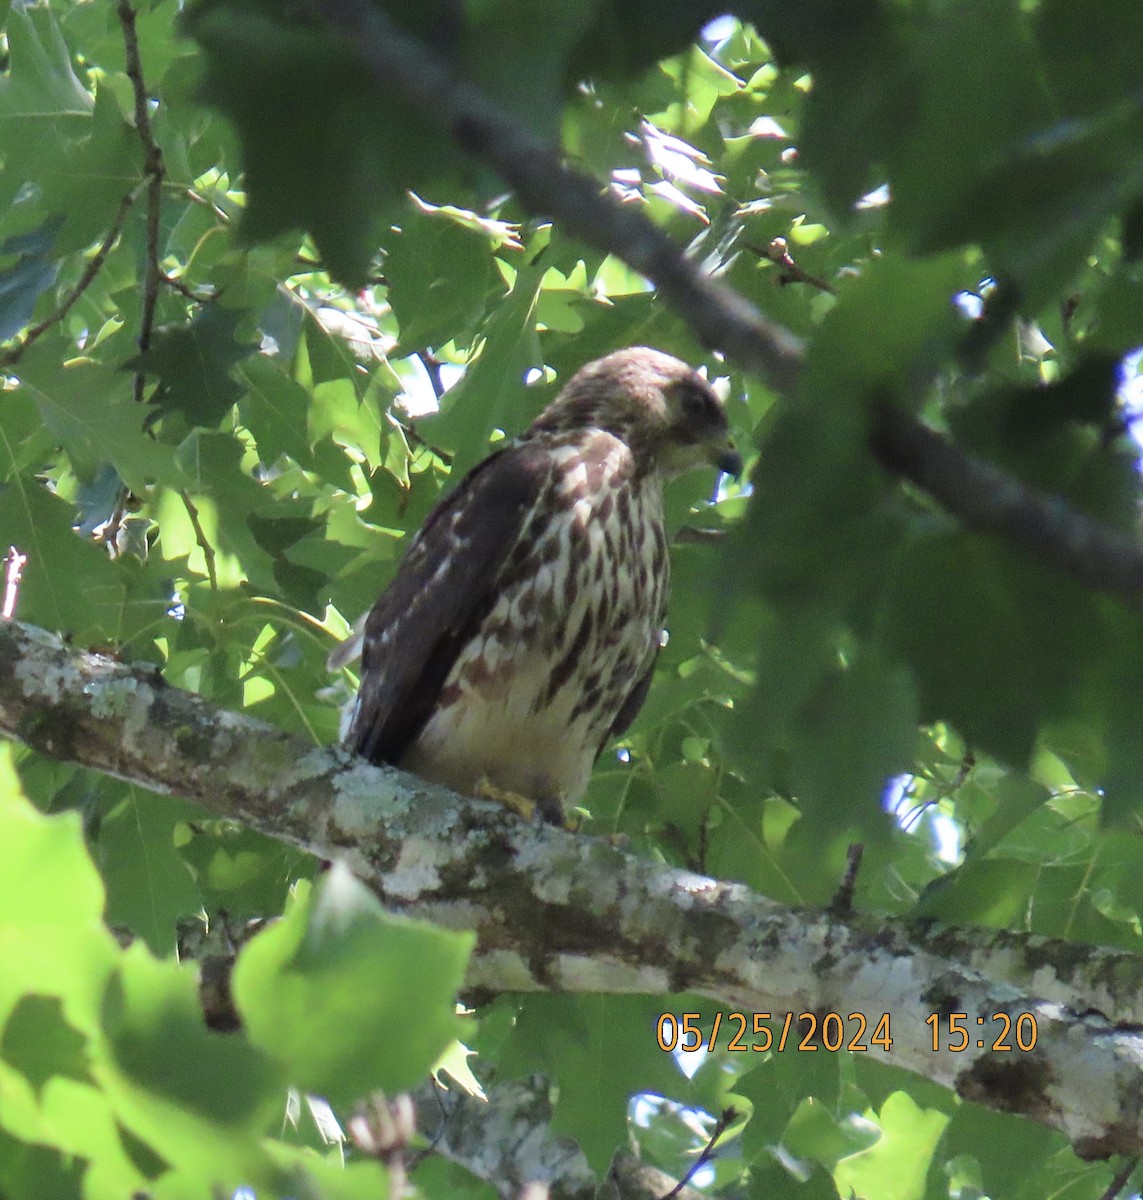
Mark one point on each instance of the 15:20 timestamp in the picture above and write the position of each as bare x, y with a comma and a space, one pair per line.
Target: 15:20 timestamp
953, 1031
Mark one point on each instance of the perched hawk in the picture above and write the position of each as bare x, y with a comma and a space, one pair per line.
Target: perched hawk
521, 630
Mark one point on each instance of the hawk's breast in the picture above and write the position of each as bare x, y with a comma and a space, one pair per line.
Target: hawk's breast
576, 623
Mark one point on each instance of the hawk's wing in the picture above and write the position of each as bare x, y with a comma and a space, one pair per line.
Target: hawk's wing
444, 588
631, 706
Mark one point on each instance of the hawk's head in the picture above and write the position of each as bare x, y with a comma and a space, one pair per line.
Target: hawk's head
663, 409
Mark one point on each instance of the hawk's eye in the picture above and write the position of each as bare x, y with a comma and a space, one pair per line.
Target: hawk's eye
698, 405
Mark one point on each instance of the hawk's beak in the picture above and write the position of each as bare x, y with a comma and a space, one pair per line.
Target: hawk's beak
726, 458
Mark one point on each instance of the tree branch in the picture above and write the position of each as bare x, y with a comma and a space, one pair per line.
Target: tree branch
986, 499
1045, 526
557, 910
153, 172
719, 316
505, 1140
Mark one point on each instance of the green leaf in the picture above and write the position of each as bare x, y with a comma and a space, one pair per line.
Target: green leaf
600, 1051
1118, 770
779, 1086
627, 36
88, 187
44, 109
39, 1042
347, 998
855, 50
857, 732
303, 1174
225, 497
1006, 1149
897, 1164
40, 525
438, 273
34, 271
894, 323
45, 873
239, 871
999, 646
993, 892
101, 36
980, 94
492, 394
88, 405
1095, 57
296, 96
818, 534
527, 75
274, 410
153, 1022
36, 1172
815, 1133
57, 958
1014, 800
194, 366
148, 886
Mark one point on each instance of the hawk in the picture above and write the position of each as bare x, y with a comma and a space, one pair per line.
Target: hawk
521, 629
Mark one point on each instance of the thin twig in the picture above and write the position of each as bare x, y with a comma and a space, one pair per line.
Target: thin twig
14, 563
726, 1118
108, 535
432, 366
698, 535
842, 903
1120, 1178
963, 771
383, 1129
416, 438
153, 172
201, 538
778, 252
1001, 307
94, 264
185, 290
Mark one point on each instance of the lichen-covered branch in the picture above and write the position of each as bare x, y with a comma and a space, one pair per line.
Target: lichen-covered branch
553, 909
506, 1140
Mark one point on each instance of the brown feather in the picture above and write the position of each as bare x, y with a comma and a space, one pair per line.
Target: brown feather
420, 623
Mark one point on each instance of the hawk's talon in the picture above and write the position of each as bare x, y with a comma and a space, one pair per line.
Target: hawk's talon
540, 812
522, 806
575, 820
